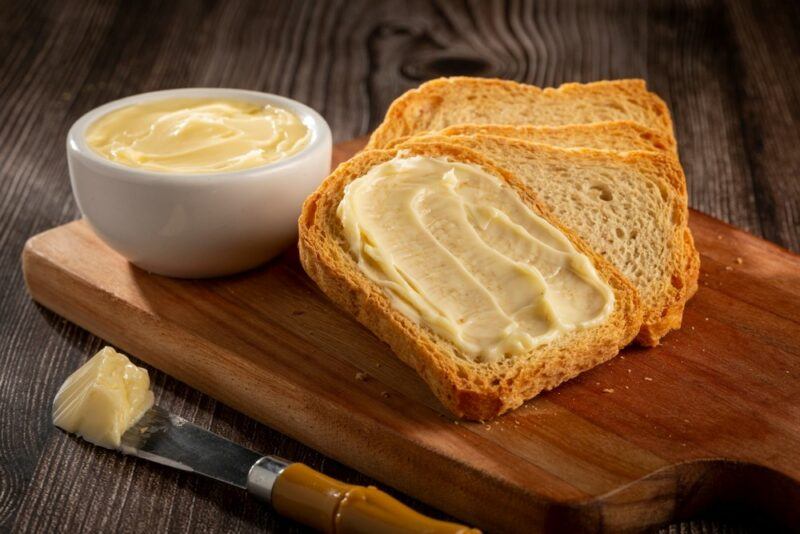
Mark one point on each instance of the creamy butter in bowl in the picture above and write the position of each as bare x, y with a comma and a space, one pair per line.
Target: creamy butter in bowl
197, 135
196, 183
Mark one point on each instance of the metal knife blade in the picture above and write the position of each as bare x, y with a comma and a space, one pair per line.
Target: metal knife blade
164, 438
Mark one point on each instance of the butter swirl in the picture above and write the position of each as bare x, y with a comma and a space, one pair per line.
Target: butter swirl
190, 135
457, 250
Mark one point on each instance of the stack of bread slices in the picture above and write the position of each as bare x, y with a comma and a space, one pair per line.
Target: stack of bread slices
597, 160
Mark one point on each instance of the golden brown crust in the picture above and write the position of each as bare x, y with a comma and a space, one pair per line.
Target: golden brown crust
651, 333
426, 108
621, 136
472, 390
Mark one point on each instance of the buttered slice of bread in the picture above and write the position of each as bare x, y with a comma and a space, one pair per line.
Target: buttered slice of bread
464, 272
462, 100
626, 206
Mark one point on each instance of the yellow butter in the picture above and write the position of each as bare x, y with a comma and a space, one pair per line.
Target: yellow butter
103, 398
457, 250
185, 135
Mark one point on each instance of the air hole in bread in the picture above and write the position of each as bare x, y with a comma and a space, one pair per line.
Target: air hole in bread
603, 191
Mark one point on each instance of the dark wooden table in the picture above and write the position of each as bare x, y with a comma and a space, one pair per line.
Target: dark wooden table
729, 71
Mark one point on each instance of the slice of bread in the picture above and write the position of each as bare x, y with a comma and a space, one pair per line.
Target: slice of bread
461, 100
467, 388
630, 207
620, 136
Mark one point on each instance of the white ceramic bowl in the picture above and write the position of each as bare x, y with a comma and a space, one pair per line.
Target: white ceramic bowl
197, 225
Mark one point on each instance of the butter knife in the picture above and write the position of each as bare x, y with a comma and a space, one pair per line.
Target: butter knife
293, 489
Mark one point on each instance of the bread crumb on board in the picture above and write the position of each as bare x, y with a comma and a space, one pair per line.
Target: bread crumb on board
739, 260
362, 376
608, 390
648, 379
385, 394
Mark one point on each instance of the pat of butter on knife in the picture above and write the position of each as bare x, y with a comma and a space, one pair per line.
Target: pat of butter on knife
103, 398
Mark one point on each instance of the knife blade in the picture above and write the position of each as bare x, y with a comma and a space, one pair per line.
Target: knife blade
167, 439
293, 489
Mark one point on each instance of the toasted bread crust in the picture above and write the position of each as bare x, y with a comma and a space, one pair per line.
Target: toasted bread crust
477, 391
621, 136
431, 106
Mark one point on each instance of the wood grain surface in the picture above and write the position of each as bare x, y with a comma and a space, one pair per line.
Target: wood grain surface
727, 70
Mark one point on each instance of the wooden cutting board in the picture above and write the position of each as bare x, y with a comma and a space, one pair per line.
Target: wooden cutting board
712, 416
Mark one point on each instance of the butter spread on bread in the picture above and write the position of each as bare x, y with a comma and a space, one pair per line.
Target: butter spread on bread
457, 250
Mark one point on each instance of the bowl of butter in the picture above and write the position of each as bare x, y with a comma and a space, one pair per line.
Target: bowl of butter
200, 182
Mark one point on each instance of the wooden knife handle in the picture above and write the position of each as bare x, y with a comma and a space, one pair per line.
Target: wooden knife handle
329, 505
